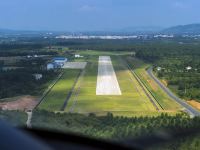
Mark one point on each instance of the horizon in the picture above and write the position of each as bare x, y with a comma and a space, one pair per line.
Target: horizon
95, 15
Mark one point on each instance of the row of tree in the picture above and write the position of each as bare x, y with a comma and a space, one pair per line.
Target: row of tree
119, 128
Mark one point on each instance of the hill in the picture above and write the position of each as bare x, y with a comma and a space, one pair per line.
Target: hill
183, 29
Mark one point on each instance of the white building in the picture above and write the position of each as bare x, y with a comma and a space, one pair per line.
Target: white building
50, 66
60, 60
28, 56
37, 76
78, 56
159, 68
188, 68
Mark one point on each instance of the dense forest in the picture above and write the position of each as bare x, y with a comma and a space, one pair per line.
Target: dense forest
120, 128
115, 128
179, 66
15, 118
21, 80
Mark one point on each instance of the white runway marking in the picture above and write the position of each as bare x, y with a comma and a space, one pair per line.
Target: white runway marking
107, 83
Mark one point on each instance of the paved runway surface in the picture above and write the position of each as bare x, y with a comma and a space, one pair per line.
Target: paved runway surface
107, 83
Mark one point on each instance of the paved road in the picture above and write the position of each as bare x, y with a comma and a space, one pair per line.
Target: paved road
189, 109
28, 122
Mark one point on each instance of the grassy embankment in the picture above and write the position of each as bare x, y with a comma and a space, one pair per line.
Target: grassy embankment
55, 99
161, 97
133, 100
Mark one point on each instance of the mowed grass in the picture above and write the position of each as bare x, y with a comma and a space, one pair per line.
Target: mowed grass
162, 98
133, 99
58, 94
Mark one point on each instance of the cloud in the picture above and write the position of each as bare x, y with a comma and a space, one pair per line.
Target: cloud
87, 8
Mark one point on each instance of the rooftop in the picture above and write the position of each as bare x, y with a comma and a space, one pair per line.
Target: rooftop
59, 58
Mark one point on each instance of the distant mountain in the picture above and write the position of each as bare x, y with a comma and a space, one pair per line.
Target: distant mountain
143, 29
183, 29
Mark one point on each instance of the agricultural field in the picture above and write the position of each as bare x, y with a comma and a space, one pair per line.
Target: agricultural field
56, 98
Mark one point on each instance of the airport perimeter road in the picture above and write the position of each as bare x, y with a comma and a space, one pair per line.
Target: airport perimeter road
189, 109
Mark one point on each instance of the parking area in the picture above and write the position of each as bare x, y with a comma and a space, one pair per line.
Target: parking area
75, 65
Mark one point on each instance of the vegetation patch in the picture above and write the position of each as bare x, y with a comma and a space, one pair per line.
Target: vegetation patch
15, 117
55, 99
133, 98
161, 97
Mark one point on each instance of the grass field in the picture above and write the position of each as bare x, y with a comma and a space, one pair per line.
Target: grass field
132, 100
162, 98
135, 86
58, 94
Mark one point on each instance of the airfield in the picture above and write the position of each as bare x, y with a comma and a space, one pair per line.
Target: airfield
105, 82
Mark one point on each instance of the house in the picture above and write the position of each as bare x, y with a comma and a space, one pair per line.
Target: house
188, 68
50, 66
28, 56
159, 68
78, 56
37, 76
60, 60
53, 65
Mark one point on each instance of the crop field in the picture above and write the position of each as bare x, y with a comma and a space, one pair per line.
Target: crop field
161, 97
132, 100
56, 97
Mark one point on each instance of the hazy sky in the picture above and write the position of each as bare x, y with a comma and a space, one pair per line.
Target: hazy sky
73, 15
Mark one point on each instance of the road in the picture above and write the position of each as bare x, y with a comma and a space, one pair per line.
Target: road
28, 122
189, 109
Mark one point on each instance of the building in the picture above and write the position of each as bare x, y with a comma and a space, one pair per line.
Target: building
78, 56
159, 68
60, 60
50, 66
37, 76
188, 68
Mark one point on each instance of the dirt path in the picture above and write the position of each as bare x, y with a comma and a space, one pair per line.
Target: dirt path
22, 103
